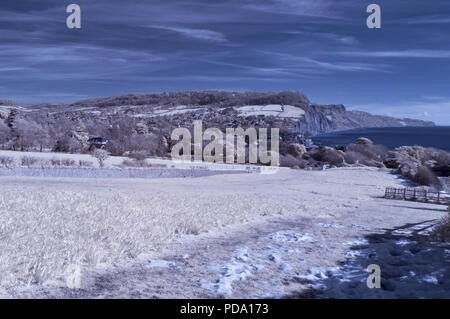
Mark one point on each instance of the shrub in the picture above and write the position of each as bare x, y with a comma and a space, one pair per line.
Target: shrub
135, 163
425, 176
68, 162
138, 156
85, 163
101, 156
291, 161
333, 158
44, 162
7, 161
141, 164
372, 163
369, 151
129, 163
28, 160
441, 157
328, 155
442, 230
296, 149
55, 161
352, 157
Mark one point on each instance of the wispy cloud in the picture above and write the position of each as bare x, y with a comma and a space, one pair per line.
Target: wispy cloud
434, 109
434, 19
11, 69
344, 39
347, 67
199, 34
418, 53
301, 63
313, 8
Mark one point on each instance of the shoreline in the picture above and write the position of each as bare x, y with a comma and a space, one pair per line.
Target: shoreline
376, 134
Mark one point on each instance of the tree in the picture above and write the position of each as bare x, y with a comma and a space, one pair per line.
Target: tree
101, 156
42, 138
5, 134
25, 134
120, 133
13, 114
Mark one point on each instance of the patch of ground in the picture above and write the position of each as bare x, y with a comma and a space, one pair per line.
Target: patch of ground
233, 236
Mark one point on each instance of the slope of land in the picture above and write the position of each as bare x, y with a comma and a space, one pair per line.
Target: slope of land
244, 235
288, 110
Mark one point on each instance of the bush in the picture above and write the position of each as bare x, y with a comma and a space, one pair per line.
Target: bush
68, 162
425, 176
129, 163
296, 149
291, 161
44, 162
29, 161
442, 230
328, 155
141, 164
352, 157
369, 151
135, 163
7, 161
138, 156
55, 161
85, 163
372, 163
333, 158
101, 156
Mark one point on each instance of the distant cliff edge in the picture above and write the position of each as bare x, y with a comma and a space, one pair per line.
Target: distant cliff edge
289, 110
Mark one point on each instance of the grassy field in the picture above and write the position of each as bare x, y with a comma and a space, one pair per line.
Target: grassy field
47, 225
44, 232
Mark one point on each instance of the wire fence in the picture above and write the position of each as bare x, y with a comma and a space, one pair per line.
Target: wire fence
417, 195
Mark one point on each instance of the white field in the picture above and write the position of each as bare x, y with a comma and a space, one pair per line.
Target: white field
111, 162
230, 235
114, 162
290, 111
272, 109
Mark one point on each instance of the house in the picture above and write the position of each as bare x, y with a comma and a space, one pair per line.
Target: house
97, 142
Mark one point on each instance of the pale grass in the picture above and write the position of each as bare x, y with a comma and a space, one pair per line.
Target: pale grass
42, 233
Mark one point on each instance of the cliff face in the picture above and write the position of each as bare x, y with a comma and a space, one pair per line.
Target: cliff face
290, 111
328, 118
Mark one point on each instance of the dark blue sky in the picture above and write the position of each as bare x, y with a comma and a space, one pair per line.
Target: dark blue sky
320, 47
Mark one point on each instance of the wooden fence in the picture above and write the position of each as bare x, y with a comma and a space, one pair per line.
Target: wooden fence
417, 195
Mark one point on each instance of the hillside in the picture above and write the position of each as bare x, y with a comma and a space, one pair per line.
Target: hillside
225, 108
310, 118
142, 122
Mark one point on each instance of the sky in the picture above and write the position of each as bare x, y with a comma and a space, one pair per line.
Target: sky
322, 48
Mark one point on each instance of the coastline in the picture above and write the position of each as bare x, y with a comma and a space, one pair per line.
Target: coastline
390, 137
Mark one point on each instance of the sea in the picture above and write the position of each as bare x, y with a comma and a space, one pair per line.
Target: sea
391, 137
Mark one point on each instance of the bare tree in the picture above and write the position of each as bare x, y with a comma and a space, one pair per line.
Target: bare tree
5, 134
101, 156
25, 134
42, 138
